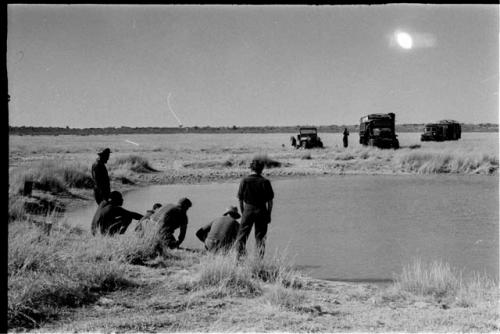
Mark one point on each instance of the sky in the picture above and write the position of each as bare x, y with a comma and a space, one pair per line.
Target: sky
233, 65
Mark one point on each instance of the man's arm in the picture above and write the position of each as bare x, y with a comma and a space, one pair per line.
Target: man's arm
182, 235
125, 213
202, 233
269, 209
240, 194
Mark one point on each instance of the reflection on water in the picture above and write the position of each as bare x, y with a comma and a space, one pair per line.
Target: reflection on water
357, 227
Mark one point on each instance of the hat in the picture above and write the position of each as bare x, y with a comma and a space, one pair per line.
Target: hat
115, 196
185, 202
233, 211
104, 151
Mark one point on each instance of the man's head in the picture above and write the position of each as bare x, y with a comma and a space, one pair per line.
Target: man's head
233, 212
116, 198
185, 203
257, 165
104, 154
156, 206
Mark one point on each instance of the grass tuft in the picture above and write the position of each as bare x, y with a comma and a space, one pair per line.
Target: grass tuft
289, 299
134, 163
268, 162
438, 280
52, 176
223, 272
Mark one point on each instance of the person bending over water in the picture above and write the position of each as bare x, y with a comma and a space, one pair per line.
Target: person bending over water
110, 218
220, 234
172, 217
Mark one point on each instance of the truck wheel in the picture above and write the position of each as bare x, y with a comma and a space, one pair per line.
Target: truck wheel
396, 144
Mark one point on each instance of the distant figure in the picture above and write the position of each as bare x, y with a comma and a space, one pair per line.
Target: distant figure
110, 218
172, 217
140, 224
101, 177
220, 234
345, 139
293, 141
255, 195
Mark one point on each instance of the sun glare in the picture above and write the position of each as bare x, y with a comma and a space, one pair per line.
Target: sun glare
404, 40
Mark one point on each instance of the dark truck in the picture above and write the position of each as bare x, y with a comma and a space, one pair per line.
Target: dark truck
308, 138
378, 130
444, 130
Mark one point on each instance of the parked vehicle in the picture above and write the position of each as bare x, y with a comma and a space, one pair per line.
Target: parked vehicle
444, 130
308, 138
378, 130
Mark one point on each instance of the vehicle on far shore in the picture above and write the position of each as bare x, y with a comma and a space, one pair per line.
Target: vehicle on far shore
378, 130
443, 130
308, 138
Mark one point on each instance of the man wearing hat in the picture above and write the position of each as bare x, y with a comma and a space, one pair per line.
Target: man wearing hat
220, 234
172, 217
110, 218
100, 176
255, 194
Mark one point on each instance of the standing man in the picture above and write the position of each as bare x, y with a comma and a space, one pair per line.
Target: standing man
255, 195
110, 218
220, 234
172, 217
345, 139
101, 177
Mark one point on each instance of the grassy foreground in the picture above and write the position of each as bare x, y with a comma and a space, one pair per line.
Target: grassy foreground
62, 279
71, 281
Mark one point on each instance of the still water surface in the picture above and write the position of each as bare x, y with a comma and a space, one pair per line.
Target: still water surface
356, 227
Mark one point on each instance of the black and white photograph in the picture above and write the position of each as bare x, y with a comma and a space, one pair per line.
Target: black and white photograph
260, 168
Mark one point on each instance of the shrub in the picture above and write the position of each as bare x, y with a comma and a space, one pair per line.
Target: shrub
222, 272
47, 272
53, 176
268, 162
134, 163
275, 269
435, 278
453, 162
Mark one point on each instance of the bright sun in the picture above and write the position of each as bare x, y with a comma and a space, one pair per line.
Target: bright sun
404, 40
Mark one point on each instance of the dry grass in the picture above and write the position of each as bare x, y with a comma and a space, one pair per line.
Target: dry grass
440, 281
66, 268
199, 157
134, 163
51, 175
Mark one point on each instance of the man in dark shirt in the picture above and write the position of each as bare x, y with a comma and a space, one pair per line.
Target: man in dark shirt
255, 195
100, 176
110, 218
220, 234
171, 217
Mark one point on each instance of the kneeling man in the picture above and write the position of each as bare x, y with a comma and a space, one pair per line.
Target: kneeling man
220, 234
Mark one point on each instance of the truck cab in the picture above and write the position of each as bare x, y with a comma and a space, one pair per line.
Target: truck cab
378, 130
308, 138
444, 130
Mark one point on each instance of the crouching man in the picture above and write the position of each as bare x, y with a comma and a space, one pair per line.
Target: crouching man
220, 234
171, 217
110, 218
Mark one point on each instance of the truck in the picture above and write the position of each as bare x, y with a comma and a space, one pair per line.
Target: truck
378, 130
308, 138
443, 130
